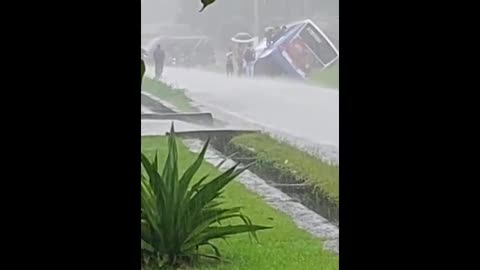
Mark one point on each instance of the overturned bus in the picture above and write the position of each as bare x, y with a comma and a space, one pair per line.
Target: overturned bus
301, 48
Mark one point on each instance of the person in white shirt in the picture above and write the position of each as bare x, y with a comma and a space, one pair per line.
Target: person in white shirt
229, 64
250, 57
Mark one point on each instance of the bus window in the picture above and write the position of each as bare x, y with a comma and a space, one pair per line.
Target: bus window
318, 44
301, 56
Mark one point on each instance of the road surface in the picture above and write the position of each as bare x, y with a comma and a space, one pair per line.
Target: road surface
305, 115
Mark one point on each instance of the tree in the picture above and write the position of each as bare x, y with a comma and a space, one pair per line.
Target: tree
205, 4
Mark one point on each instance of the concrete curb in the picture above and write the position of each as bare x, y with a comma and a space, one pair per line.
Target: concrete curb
303, 217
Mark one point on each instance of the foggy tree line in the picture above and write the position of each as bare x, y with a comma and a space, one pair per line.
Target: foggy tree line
227, 17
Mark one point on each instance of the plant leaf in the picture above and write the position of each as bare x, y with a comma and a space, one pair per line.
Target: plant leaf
142, 72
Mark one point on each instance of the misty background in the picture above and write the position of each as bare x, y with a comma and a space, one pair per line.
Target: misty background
223, 19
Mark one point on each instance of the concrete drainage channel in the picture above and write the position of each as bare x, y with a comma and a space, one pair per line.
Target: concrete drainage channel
153, 105
293, 199
297, 188
303, 217
153, 109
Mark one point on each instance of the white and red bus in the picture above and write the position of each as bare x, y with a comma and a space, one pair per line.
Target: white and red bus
301, 48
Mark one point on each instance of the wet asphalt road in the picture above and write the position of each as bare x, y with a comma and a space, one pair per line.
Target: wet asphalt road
305, 115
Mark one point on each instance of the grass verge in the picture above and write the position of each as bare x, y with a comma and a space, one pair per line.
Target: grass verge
169, 94
284, 247
327, 77
288, 158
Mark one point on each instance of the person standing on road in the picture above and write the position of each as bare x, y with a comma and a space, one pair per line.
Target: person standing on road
279, 33
250, 57
159, 57
238, 54
269, 37
229, 65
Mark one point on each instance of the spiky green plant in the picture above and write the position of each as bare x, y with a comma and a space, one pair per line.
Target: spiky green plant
142, 70
179, 216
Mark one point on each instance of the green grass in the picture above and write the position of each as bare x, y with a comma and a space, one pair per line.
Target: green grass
169, 94
327, 77
316, 171
283, 247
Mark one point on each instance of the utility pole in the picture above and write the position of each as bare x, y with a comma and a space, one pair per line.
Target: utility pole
256, 18
305, 8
